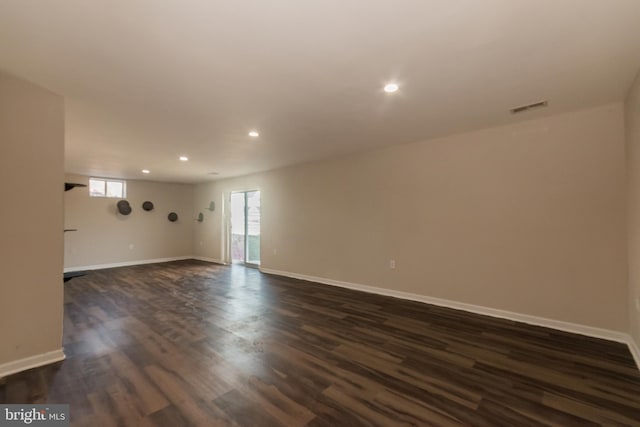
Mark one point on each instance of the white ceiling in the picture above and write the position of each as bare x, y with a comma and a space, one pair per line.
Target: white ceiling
146, 81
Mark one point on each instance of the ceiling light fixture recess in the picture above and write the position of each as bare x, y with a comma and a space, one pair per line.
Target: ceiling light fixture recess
254, 134
146, 171
184, 159
391, 87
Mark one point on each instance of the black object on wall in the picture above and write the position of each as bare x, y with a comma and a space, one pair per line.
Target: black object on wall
200, 217
173, 217
124, 207
71, 185
147, 206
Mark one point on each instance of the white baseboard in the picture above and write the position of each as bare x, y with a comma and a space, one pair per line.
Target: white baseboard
207, 259
31, 362
478, 309
125, 263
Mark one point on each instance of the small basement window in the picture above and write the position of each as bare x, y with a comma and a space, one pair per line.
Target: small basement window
100, 187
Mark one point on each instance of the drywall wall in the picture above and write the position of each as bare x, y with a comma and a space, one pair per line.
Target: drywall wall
106, 237
632, 123
527, 218
31, 184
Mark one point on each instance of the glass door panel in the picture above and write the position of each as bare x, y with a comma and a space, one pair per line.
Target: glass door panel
237, 227
245, 227
253, 227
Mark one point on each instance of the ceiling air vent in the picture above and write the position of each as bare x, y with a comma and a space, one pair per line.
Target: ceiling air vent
524, 108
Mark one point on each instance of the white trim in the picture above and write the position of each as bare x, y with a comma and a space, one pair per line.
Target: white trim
635, 350
478, 309
31, 362
125, 263
207, 259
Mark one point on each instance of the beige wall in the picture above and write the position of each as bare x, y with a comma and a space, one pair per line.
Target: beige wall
632, 121
528, 218
31, 178
106, 237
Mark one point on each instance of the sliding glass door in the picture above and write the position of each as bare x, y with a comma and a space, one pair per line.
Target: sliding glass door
245, 227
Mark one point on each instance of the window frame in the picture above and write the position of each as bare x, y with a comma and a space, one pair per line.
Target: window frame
105, 182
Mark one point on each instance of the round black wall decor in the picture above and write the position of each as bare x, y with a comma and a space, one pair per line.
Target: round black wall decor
147, 206
173, 217
123, 207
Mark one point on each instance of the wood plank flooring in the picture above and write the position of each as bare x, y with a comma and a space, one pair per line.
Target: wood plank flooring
192, 343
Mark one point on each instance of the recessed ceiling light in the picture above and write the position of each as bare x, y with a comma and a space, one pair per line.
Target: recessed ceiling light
391, 87
254, 134
184, 159
146, 171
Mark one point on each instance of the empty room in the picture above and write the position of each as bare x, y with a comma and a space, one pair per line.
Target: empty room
320, 213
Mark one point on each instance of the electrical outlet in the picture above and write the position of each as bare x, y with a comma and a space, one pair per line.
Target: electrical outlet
130, 246
392, 264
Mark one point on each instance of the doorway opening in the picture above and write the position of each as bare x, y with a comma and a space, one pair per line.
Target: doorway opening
245, 228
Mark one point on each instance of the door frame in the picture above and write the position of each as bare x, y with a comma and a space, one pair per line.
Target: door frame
228, 227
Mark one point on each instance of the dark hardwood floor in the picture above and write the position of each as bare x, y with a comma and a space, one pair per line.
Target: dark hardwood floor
192, 343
